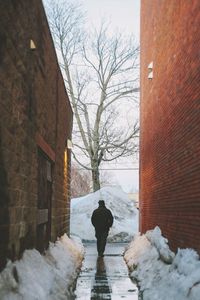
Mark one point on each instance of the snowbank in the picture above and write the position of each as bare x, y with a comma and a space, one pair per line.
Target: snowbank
125, 214
161, 274
50, 276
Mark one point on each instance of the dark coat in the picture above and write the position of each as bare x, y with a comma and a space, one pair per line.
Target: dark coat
102, 219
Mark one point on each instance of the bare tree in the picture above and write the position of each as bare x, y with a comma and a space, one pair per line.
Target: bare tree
106, 178
101, 74
80, 182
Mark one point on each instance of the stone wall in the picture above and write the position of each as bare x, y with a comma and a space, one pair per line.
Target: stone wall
170, 120
36, 117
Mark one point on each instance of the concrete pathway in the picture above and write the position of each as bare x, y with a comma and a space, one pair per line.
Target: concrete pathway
106, 277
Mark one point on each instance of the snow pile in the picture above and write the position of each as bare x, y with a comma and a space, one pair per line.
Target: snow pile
125, 214
41, 277
160, 273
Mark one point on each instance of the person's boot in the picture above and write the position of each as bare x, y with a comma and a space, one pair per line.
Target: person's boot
101, 254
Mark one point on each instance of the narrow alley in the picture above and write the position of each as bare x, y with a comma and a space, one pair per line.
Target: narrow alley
99, 145
105, 277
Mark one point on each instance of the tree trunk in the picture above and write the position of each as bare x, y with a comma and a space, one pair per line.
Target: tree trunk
95, 179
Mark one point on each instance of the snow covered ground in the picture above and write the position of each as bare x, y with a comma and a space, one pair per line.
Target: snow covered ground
161, 274
125, 214
41, 277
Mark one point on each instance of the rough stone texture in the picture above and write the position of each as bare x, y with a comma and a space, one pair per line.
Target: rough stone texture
33, 102
170, 120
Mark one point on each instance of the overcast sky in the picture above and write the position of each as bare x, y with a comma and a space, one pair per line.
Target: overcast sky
123, 15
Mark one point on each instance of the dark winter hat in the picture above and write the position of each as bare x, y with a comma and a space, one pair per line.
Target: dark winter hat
101, 203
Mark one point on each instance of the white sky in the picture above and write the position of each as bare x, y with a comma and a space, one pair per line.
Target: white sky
123, 15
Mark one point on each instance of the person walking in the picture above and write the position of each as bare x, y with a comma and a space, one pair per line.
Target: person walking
102, 220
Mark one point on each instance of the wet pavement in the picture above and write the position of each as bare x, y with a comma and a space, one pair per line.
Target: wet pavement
105, 277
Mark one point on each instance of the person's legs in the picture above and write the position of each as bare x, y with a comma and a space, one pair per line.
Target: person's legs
99, 243
98, 237
102, 242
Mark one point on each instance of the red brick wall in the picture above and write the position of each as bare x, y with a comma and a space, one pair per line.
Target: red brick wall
33, 102
170, 120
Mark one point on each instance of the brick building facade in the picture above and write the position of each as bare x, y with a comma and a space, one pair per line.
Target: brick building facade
170, 120
35, 123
